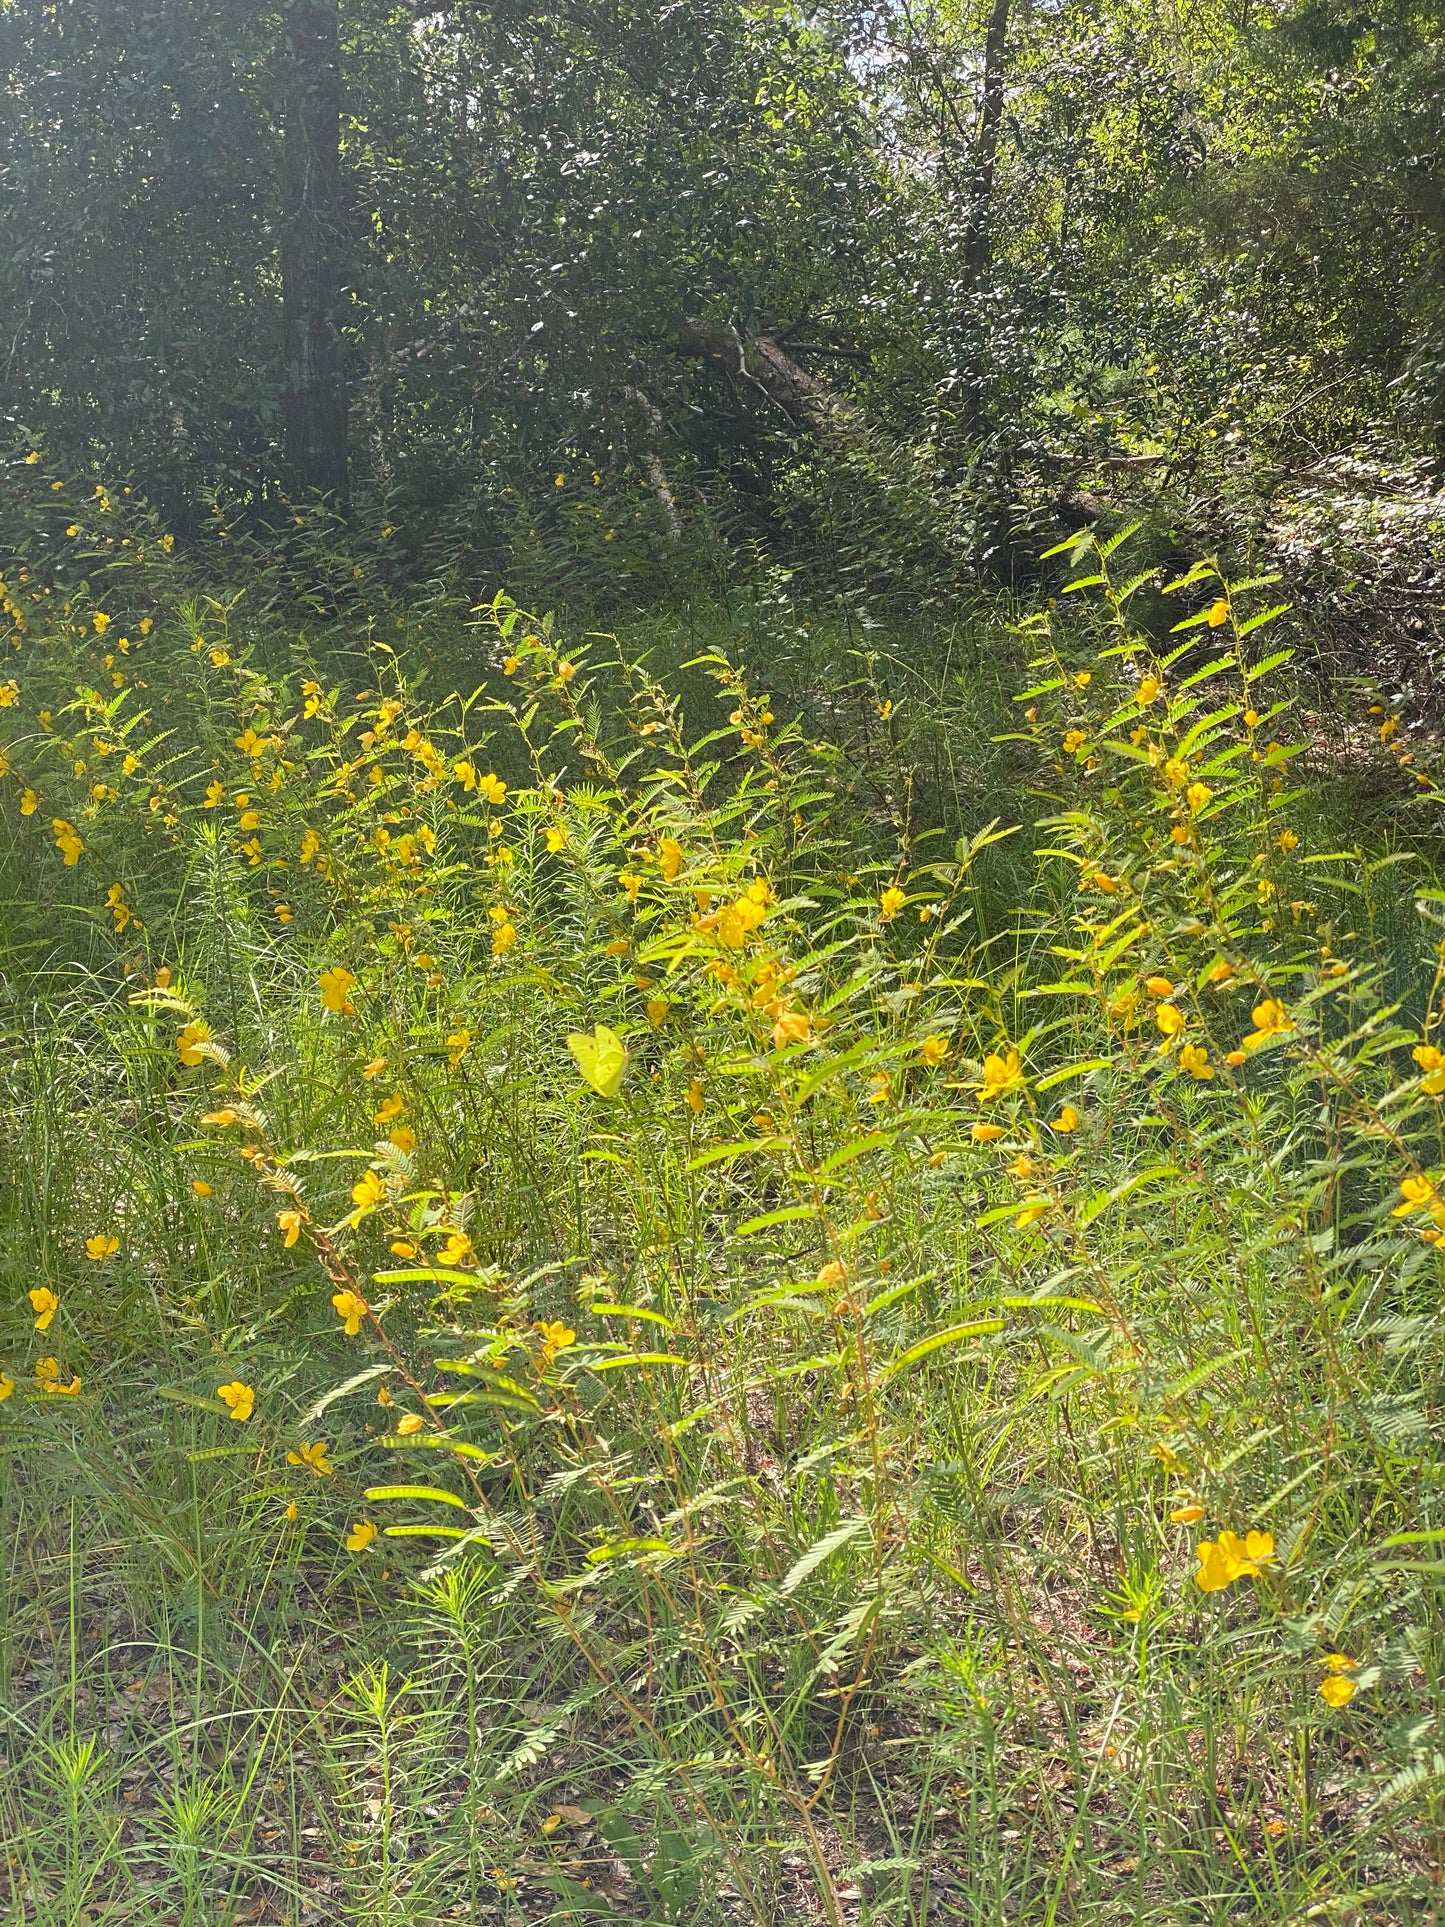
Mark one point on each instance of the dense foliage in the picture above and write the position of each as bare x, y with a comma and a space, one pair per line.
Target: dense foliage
740, 261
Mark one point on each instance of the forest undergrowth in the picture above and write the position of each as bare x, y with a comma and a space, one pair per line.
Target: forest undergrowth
622, 1299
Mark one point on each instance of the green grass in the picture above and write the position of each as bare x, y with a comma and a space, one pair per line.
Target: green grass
783, 1531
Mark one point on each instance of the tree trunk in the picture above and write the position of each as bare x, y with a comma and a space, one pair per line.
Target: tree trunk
977, 241
762, 364
312, 255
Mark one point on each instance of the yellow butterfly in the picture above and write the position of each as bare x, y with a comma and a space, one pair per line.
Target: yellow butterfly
601, 1058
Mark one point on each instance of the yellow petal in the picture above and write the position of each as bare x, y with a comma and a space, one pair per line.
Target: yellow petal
1216, 1570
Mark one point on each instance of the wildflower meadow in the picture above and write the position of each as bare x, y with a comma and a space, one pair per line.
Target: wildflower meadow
621, 1304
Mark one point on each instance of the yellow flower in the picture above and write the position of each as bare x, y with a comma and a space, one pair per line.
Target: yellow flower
1170, 1020
457, 1250
1186, 1515
335, 983
556, 1337
1418, 1195
880, 1088
1067, 1119
200, 1187
1148, 689
890, 903
1231, 1558
835, 1272
189, 1043
1271, 1020
32, 458
250, 819
47, 1378
1287, 841
1074, 739
735, 922
669, 858
1034, 1209
408, 1423
1195, 1059
458, 1044
240, 1398
1337, 1691
374, 1068
7, 1386
66, 841
1341, 1663
566, 671
696, 1101
1432, 1063
351, 1308
367, 1193
103, 1245
1197, 795
556, 837
933, 1050
1220, 973
46, 1304
492, 787
290, 1222
511, 665
503, 937
102, 622
29, 803
792, 1027
1000, 1073
1159, 986
291, 1512
389, 1108
315, 1457
360, 1536
986, 1133
1218, 613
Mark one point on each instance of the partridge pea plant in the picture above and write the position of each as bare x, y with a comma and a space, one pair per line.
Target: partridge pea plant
934, 1397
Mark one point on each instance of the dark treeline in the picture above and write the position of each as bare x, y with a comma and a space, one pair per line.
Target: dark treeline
862, 286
